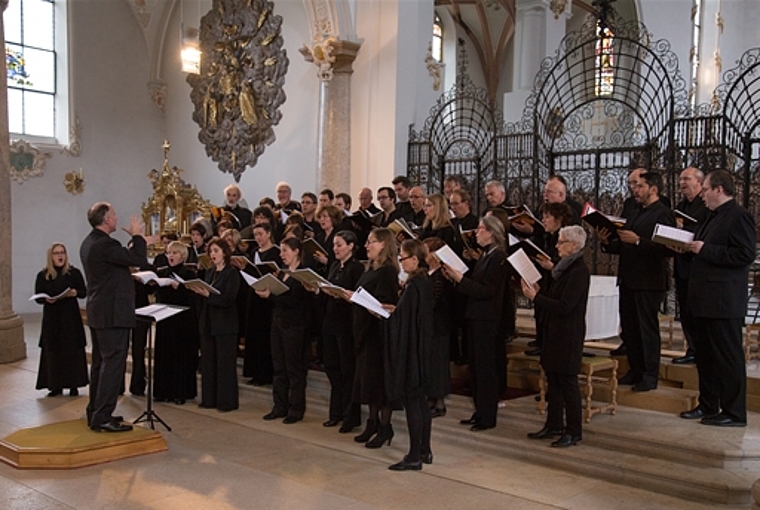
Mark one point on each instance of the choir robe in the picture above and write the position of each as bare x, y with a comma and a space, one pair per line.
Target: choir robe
63, 362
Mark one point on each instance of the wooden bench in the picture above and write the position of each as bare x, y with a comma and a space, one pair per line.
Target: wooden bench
591, 368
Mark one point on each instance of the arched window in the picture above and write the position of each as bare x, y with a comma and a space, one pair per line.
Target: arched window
35, 30
604, 74
438, 39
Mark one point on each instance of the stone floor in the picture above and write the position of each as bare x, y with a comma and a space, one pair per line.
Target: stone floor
238, 461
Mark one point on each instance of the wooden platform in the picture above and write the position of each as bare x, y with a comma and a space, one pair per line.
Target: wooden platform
71, 444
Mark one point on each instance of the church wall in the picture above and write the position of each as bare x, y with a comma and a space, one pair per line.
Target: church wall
122, 132
293, 155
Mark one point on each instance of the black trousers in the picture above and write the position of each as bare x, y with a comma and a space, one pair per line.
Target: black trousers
419, 422
564, 398
139, 341
219, 385
721, 366
340, 366
484, 372
290, 359
641, 327
109, 355
687, 319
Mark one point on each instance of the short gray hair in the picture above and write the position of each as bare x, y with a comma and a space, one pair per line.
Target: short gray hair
496, 184
574, 234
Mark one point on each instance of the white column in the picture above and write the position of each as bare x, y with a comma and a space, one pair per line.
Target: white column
538, 34
12, 346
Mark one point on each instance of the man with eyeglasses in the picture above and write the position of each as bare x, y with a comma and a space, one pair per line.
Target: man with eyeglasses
386, 196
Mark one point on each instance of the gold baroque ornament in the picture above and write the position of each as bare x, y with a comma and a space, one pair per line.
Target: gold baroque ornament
238, 93
26, 161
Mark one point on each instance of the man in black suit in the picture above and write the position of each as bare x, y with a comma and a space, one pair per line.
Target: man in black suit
110, 309
692, 205
723, 247
642, 280
242, 216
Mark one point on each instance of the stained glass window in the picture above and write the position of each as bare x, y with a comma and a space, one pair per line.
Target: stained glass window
31, 60
438, 39
604, 76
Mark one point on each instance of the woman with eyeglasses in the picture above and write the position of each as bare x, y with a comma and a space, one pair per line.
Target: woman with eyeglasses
381, 280
63, 362
484, 286
563, 305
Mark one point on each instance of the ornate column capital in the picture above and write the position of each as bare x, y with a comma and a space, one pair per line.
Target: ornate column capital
331, 56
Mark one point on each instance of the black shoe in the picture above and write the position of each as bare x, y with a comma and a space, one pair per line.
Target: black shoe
696, 414
437, 412
545, 432
566, 440
205, 406
384, 434
180, 401
405, 465
349, 426
620, 351
426, 458
685, 360
54, 393
721, 420
533, 343
472, 420
331, 423
536, 351
73, 392
630, 378
479, 426
642, 386
117, 418
112, 426
289, 420
369, 431
273, 415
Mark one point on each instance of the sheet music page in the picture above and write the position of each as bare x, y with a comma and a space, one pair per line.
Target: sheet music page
448, 257
249, 280
42, 295
363, 298
524, 266
160, 311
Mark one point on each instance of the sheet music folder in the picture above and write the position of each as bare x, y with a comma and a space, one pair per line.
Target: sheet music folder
158, 312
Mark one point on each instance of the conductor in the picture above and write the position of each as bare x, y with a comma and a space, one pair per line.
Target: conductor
110, 309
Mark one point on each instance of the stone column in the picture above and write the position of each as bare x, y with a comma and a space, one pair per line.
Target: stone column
539, 32
334, 132
12, 346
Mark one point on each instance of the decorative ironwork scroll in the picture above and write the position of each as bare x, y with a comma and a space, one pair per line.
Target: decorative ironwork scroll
239, 91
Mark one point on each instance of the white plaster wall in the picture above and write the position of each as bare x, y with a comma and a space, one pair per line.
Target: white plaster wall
293, 155
121, 137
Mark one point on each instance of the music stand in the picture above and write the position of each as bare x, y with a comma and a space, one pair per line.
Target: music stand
154, 314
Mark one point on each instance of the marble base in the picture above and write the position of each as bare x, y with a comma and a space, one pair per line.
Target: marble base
12, 345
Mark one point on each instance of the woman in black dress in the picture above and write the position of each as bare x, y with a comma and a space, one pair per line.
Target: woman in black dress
218, 331
484, 286
63, 363
338, 349
257, 363
380, 280
329, 218
438, 221
409, 343
177, 342
443, 297
563, 305
290, 349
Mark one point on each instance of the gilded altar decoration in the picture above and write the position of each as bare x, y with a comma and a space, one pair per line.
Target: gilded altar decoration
26, 161
74, 149
239, 91
320, 53
73, 182
558, 7
433, 67
174, 205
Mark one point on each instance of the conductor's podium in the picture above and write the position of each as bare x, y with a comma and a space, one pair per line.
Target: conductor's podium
593, 369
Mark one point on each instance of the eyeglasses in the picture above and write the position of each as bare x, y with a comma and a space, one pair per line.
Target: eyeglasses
59, 253
370, 241
401, 259
455, 204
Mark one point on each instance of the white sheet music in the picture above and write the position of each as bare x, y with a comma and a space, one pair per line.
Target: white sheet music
522, 264
447, 256
159, 311
363, 298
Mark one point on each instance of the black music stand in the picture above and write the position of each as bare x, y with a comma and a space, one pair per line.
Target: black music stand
154, 314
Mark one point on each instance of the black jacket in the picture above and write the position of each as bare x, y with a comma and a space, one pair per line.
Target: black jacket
485, 286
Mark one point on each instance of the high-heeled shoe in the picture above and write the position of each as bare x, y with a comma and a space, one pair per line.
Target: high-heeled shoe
384, 434
406, 465
369, 431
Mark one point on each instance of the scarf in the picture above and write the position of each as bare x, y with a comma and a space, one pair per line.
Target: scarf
564, 263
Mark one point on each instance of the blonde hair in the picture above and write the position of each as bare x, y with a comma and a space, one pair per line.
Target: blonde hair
388, 256
441, 206
50, 270
177, 246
